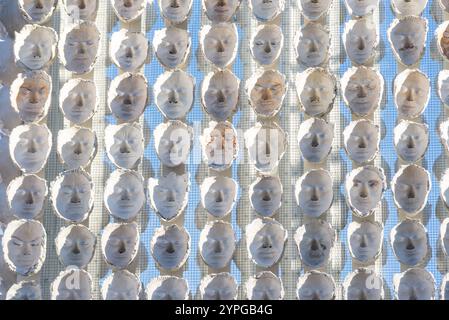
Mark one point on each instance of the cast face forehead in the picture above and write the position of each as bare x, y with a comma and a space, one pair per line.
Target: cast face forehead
361, 8
266, 11
219, 43
355, 285
312, 9
408, 7
128, 50
37, 11
265, 285
312, 43
171, 46
315, 285
360, 39
128, 10
414, 284
443, 86
61, 290
267, 43
220, 11
121, 285
24, 290
175, 11
218, 286
167, 288
82, 9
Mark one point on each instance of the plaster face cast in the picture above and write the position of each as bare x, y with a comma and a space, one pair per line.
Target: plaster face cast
76, 146
78, 48
314, 9
362, 89
170, 247
266, 10
407, 37
411, 140
29, 146
443, 86
128, 10
314, 193
169, 194
121, 285
360, 39
219, 10
265, 195
265, 241
408, 7
124, 144
120, 243
173, 141
444, 4
219, 43
128, 96
220, 94
266, 90
176, 11
62, 288
264, 285
78, 100
167, 288
37, 11
411, 93
365, 240
24, 290
24, 246
312, 44
220, 286
409, 242
26, 196
35, 46
267, 43
128, 50
315, 285
362, 8
414, 284
174, 93
218, 195
124, 195
411, 187
217, 244
363, 284
364, 189
31, 95
81, 9
444, 236
75, 245
315, 138
72, 195
171, 46
361, 140
316, 89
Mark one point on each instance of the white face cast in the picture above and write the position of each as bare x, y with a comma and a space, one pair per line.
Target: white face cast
361, 8
23, 244
78, 100
360, 39
411, 186
72, 195
266, 10
121, 285
76, 146
217, 244
174, 93
75, 245
408, 7
444, 4
62, 288
219, 43
407, 38
167, 288
267, 43
314, 9
220, 10
171, 46
365, 240
220, 145
218, 195
312, 45
124, 144
37, 11
361, 140
120, 243
315, 138
128, 50
409, 242
176, 11
29, 146
81, 9
314, 193
411, 93
315, 285
173, 141
443, 86
128, 10
24, 290
170, 247
26, 196
265, 195
124, 195
264, 285
358, 285
444, 236
411, 140
265, 241
221, 286
414, 284
364, 189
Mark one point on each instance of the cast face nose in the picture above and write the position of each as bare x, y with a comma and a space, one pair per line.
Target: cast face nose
267, 48
315, 143
82, 4
32, 146
314, 245
173, 49
220, 96
218, 247
266, 196
128, 3
266, 94
75, 197
410, 143
129, 52
39, 4
170, 248
122, 248
361, 44
313, 46
77, 149
411, 192
267, 242
314, 196
410, 245
362, 143
124, 147
220, 47
76, 249
364, 192
29, 198
219, 196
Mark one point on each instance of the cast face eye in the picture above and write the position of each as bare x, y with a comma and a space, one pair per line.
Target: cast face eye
373, 183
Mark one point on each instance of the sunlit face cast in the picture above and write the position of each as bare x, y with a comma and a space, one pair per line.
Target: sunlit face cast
315, 138
167, 288
76, 146
411, 93
414, 284
72, 195
128, 10
409, 242
411, 140
411, 186
365, 240
23, 244
314, 9
266, 10
312, 45
173, 141
407, 37
315, 285
171, 46
29, 146
444, 236
124, 195
174, 93
443, 86
265, 195
75, 245
121, 285
220, 145
361, 8
219, 43
81, 9
364, 189
361, 140
220, 10
221, 286
169, 194
78, 100
124, 144
218, 195
26, 196
363, 284
170, 247
314, 193
128, 50
444, 188
444, 4
37, 11
120, 243
176, 11
267, 43
24, 290
264, 285
62, 287
217, 244
360, 39
265, 241
444, 288
408, 7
